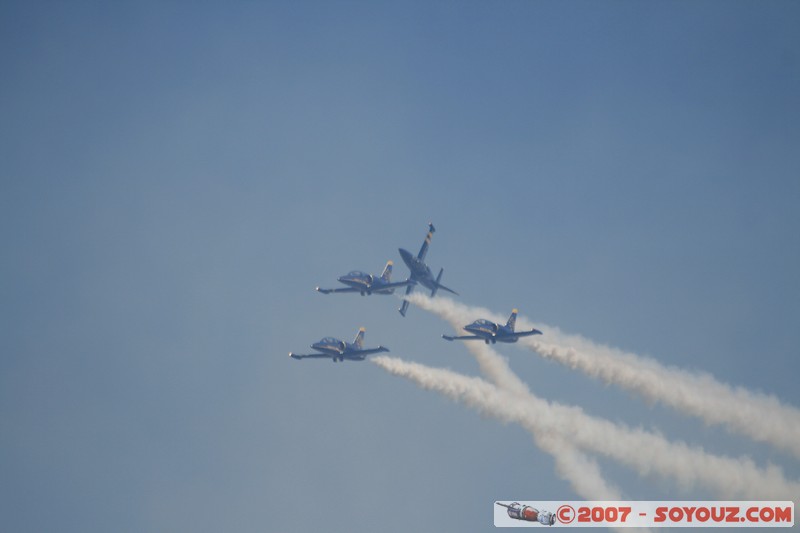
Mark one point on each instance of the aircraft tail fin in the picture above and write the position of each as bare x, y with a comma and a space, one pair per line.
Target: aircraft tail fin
387, 272
437, 284
359, 340
512, 320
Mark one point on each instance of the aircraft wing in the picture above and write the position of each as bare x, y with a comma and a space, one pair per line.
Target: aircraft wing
527, 333
343, 289
423, 251
461, 338
397, 284
404, 306
309, 356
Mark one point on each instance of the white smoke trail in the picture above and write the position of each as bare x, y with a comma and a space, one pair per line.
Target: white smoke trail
761, 417
580, 471
574, 466
646, 452
758, 416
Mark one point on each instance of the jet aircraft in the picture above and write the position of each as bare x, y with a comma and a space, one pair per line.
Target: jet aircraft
488, 331
340, 350
364, 283
420, 272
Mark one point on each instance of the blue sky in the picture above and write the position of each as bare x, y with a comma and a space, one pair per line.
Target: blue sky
176, 179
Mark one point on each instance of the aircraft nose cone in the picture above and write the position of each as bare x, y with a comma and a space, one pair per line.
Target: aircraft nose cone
405, 254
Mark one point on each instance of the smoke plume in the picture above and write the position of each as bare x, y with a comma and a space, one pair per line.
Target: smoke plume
646, 452
758, 416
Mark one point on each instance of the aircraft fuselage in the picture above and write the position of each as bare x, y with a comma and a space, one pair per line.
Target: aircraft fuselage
340, 350
420, 272
332, 346
492, 332
365, 284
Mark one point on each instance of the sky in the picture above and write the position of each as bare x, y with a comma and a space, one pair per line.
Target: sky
175, 179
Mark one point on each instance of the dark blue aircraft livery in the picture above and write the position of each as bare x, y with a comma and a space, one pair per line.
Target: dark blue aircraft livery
488, 331
365, 284
420, 272
340, 350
